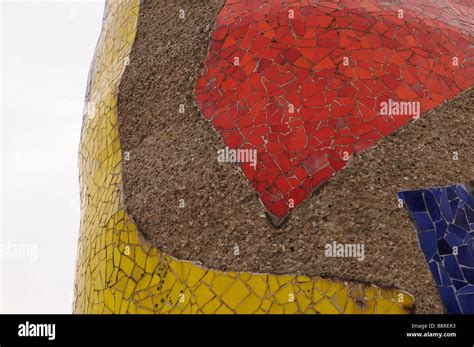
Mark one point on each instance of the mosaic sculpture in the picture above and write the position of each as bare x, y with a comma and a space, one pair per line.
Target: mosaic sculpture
291, 96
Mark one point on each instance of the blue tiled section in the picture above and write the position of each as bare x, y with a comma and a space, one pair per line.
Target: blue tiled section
444, 220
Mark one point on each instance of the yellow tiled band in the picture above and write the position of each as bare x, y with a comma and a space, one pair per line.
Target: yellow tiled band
118, 272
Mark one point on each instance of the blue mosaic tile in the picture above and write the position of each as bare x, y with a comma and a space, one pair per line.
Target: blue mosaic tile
444, 220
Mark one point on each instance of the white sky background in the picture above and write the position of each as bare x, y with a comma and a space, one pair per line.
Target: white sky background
46, 48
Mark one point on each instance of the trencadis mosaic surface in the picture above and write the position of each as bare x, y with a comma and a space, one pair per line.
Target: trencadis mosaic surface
118, 272
444, 220
302, 82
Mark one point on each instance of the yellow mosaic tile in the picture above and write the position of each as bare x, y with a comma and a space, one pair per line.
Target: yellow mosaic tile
118, 272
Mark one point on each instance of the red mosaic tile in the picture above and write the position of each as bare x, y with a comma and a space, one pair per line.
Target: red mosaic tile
306, 87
